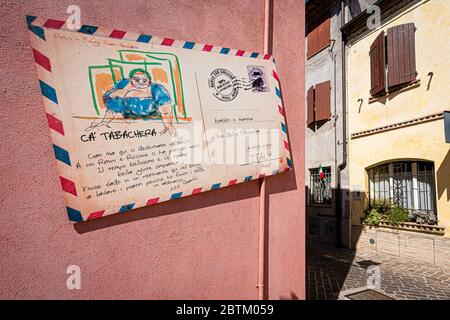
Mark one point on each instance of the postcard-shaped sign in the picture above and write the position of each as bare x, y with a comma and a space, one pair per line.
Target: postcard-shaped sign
136, 120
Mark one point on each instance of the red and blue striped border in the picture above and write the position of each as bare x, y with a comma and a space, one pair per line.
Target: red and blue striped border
282, 114
53, 113
37, 28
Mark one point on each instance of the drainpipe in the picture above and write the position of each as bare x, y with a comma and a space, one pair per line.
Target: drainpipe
343, 164
262, 190
262, 235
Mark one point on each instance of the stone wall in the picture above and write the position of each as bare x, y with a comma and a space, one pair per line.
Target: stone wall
416, 246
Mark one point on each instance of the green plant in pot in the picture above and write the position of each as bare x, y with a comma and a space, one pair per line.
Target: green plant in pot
373, 218
384, 211
397, 215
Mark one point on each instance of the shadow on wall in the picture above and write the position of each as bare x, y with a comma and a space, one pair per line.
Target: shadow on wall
393, 94
322, 222
443, 177
278, 183
316, 125
274, 184
292, 296
328, 267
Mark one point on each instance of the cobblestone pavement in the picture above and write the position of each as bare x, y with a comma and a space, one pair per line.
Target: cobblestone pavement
333, 273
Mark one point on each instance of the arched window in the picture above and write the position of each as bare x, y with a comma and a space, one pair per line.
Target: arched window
409, 184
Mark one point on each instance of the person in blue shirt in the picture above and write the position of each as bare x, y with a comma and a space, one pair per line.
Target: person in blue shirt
139, 97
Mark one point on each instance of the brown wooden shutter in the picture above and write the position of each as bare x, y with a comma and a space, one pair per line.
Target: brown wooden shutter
310, 106
313, 42
377, 65
323, 101
401, 56
324, 34
319, 37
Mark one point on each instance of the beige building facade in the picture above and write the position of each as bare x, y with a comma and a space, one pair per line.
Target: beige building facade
397, 147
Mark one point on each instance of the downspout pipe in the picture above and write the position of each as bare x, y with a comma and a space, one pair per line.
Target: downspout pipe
262, 192
262, 236
343, 164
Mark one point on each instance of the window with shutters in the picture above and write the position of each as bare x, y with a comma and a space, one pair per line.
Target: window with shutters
393, 59
318, 102
319, 37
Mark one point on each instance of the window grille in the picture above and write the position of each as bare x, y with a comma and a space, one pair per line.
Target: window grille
408, 184
320, 188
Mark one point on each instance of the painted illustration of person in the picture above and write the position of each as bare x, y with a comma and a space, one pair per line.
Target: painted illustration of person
138, 97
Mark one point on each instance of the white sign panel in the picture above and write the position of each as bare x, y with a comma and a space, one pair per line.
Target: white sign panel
136, 120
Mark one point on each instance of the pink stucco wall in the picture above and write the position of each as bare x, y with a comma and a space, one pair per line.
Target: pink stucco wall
200, 247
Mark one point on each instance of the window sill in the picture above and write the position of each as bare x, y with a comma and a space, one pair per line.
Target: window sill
411, 226
399, 89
